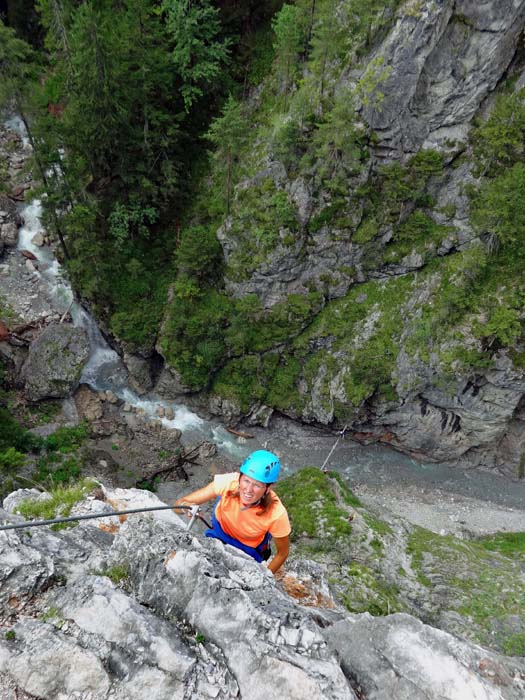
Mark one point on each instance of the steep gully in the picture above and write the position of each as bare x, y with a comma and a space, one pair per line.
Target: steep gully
437, 496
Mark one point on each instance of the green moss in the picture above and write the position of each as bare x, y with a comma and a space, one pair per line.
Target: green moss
365, 366
7, 315
482, 577
367, 231
378, 526
52, 614
418, 544
369, 592
313, 507
508, 543
327, 215
514, 644
259, 213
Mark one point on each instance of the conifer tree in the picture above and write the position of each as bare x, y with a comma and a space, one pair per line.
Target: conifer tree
289, 36
228, 133
198, 51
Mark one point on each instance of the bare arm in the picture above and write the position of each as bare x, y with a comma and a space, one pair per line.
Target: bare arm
283, 548
198, 497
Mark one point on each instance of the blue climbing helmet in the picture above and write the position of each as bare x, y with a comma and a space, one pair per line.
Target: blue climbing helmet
261, 465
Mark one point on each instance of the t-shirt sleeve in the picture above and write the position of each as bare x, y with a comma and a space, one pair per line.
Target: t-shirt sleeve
280, 527
222, 482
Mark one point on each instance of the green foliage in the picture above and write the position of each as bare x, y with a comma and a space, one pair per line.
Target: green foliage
59, 503
129, 221
288, 26
56, 470
499, 141
508, 543
228, 134
193, 340
369, 18
366, 365
369, 592
418, 231
497, 208
10, 635
368, 86
118, 573
504, 326
11, 459
514, 644
483, 574
199, 52
338, 144
199, 255
312, 506
12, 434
18, 67
66, 438
329, 45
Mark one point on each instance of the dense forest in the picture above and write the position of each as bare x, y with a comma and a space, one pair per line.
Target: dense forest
191, 151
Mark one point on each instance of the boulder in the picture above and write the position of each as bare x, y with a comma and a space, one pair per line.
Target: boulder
139, 372
169, 385
55, 361
88, 404
9, 223
399, 658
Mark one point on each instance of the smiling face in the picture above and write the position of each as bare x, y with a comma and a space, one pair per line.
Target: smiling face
250, 490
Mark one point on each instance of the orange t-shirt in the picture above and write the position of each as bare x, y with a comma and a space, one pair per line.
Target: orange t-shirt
245, 525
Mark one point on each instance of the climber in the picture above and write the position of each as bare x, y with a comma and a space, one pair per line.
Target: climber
247, 512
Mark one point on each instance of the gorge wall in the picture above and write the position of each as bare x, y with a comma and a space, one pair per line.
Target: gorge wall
365, 284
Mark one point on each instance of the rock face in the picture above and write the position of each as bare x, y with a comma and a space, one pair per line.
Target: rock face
445, 58
54, 363
9, 224
94, 615
443, 62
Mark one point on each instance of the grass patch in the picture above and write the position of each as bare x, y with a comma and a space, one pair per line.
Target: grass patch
312, 506
483, 582
116, 573
369, 593
511, 544
59, 503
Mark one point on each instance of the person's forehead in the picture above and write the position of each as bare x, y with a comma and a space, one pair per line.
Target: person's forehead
251, 481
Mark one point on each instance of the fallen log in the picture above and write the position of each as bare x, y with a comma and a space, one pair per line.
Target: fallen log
239, 433
32, 325
175, 464
28, 254
4, 331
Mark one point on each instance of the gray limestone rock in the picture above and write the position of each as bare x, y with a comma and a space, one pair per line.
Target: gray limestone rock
185, 617
9, 223
55, 361
444, 59
399, 658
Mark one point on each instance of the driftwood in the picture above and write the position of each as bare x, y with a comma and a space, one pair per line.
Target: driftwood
66, 312
28, 254
233, 431
175, 467
14, 336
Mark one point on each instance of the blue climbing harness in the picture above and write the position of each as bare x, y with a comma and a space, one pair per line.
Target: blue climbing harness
260, 553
